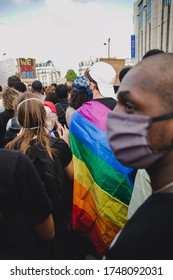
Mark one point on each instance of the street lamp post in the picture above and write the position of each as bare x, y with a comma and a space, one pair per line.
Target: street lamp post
109, 47
108, 44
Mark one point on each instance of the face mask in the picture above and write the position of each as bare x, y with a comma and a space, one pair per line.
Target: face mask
128, 138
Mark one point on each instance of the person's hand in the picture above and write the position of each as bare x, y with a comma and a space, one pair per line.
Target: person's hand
63, 132
21, 131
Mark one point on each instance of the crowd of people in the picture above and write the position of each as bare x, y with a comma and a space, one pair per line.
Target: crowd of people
86, 169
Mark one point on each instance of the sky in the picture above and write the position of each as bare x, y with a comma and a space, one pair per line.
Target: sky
65, 31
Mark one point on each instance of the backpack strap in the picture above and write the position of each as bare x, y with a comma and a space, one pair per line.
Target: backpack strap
59, 106
53, 140
61, 113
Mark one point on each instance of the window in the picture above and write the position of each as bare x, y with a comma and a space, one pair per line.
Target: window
167, 2
149, 11
141, 9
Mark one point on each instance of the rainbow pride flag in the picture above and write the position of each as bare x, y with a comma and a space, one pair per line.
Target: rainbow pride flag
102, 186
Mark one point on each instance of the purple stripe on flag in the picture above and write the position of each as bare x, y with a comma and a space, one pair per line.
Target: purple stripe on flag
95, 112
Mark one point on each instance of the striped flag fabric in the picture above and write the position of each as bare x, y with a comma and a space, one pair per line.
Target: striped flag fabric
102, 186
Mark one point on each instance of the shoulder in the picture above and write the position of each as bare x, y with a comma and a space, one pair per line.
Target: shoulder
108, 102
64, 102
63, 151
12, 156
11, 162
58, 143
7, 113
70, 110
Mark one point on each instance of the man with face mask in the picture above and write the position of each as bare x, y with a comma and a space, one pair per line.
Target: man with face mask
140, 133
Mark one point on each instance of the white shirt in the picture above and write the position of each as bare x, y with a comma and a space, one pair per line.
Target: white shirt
141, 191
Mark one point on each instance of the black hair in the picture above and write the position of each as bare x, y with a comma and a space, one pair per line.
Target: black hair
61, 91
116, 88
152, 52
87, 75
12, 80
160, 80
37, 86
20, 86
123, 72
52, 97
54, 85
78, 98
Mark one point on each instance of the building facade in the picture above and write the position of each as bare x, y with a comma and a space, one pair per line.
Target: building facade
153, 26
86, 64
46, 73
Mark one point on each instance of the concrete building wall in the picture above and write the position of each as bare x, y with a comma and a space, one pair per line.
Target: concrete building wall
159, 27
153, 30
117, 64
171, 30
154, 24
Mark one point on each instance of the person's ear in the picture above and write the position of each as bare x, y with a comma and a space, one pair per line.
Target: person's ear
92, 86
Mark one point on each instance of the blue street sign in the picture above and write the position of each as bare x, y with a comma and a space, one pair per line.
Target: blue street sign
132, 46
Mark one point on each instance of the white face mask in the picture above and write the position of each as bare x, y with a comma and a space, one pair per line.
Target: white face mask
50, 122
128, 137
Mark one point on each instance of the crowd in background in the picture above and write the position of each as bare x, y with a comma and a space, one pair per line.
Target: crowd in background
86, 167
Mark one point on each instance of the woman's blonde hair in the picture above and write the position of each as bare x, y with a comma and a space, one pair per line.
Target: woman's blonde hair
8, 96
31, 116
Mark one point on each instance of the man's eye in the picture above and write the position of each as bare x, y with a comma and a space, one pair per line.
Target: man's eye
129, 107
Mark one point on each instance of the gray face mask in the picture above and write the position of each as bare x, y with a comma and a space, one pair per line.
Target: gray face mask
128, 137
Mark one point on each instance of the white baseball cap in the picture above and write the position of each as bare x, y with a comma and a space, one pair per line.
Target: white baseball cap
104, 74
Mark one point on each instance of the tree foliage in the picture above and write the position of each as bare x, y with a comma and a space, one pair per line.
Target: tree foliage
70, 75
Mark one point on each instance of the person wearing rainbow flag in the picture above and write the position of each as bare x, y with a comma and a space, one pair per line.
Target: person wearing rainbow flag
102, 185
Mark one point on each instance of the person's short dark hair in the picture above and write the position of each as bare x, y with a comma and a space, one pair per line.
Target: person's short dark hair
78, 98
152, 52
54, 85
20, 86
37, 86
61, 91
52, 97
116, 88
12, 80
123, 72
0, 88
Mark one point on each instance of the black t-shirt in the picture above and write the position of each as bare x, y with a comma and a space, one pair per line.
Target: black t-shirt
149, 232
53, 176
58, 187
61, 108
107, 101
63, 150
4, 117
12, 131
23, 204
